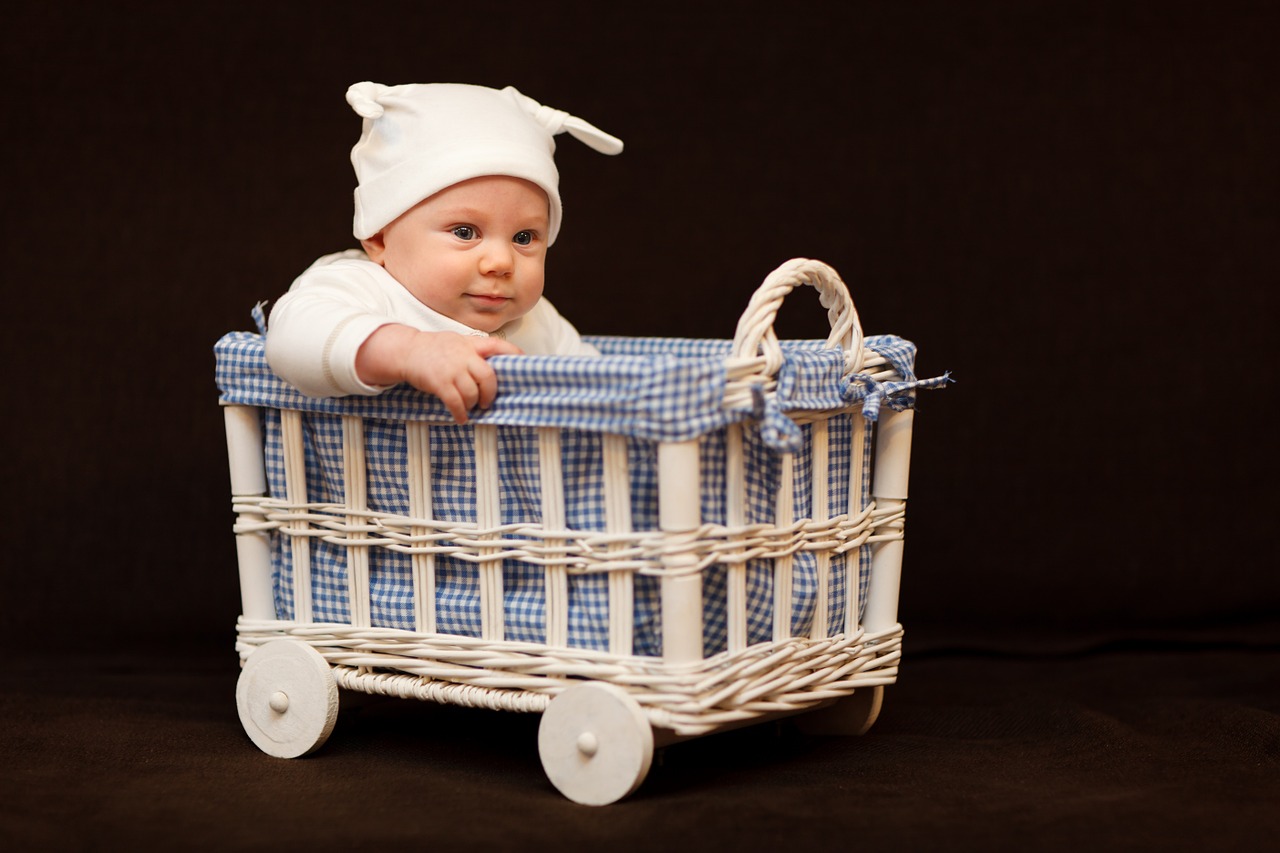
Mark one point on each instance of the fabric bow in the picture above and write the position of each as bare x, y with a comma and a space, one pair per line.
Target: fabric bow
873, 394
780, 433
777, 431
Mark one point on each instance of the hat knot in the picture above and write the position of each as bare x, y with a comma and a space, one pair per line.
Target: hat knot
550, 118
363, 98
558, 121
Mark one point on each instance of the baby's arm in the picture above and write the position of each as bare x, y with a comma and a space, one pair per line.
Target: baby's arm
448, 365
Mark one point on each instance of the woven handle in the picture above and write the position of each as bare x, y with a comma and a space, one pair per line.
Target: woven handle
755, 335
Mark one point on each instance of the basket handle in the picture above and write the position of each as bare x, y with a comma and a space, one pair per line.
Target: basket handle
755, 335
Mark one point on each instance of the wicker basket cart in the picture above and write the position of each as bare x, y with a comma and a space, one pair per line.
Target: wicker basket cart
675, 539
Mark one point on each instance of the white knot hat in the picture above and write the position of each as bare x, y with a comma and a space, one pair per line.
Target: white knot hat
420, 138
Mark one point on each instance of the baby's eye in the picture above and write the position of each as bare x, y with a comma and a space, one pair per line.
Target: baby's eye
464, 232
523, 238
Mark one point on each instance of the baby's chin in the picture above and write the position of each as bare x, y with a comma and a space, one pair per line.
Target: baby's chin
488, 323
490, 316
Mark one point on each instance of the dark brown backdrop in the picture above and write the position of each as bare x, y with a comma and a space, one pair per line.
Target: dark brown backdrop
1072, 206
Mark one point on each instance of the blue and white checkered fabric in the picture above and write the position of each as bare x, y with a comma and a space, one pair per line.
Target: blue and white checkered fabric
649, 390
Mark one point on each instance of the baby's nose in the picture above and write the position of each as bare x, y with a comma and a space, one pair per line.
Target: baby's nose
498, 258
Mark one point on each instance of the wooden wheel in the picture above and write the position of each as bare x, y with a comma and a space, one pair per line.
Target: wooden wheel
852, 715
287, 698
595, 743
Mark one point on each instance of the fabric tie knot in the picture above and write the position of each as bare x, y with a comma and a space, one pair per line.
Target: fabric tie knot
363, 98
550, 118
777, 431
873, 394
558, 121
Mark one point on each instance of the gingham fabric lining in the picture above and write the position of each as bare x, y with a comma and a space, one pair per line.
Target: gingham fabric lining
652, 388
668, 386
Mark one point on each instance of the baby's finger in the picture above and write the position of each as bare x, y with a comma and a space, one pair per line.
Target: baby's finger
468, 390
453, 401
486, 383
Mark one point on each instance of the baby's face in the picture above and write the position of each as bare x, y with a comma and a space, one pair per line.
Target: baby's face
474, 251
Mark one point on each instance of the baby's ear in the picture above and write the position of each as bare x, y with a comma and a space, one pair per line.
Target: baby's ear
375, 247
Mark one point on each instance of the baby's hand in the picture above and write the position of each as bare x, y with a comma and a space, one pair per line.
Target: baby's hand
448, 365
453, 367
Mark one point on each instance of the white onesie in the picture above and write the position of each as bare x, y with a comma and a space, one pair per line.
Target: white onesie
317, 328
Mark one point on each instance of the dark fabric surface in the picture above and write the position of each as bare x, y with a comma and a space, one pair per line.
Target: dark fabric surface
1072, 206
1157, 747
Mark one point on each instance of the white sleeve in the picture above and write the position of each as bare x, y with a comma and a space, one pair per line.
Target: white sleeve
317, 328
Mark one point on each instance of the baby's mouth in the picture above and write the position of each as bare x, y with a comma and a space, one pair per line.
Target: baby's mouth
488, 300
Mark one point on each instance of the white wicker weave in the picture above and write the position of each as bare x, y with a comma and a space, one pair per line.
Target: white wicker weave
680, 694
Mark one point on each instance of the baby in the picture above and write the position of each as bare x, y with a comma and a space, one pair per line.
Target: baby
456, 205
